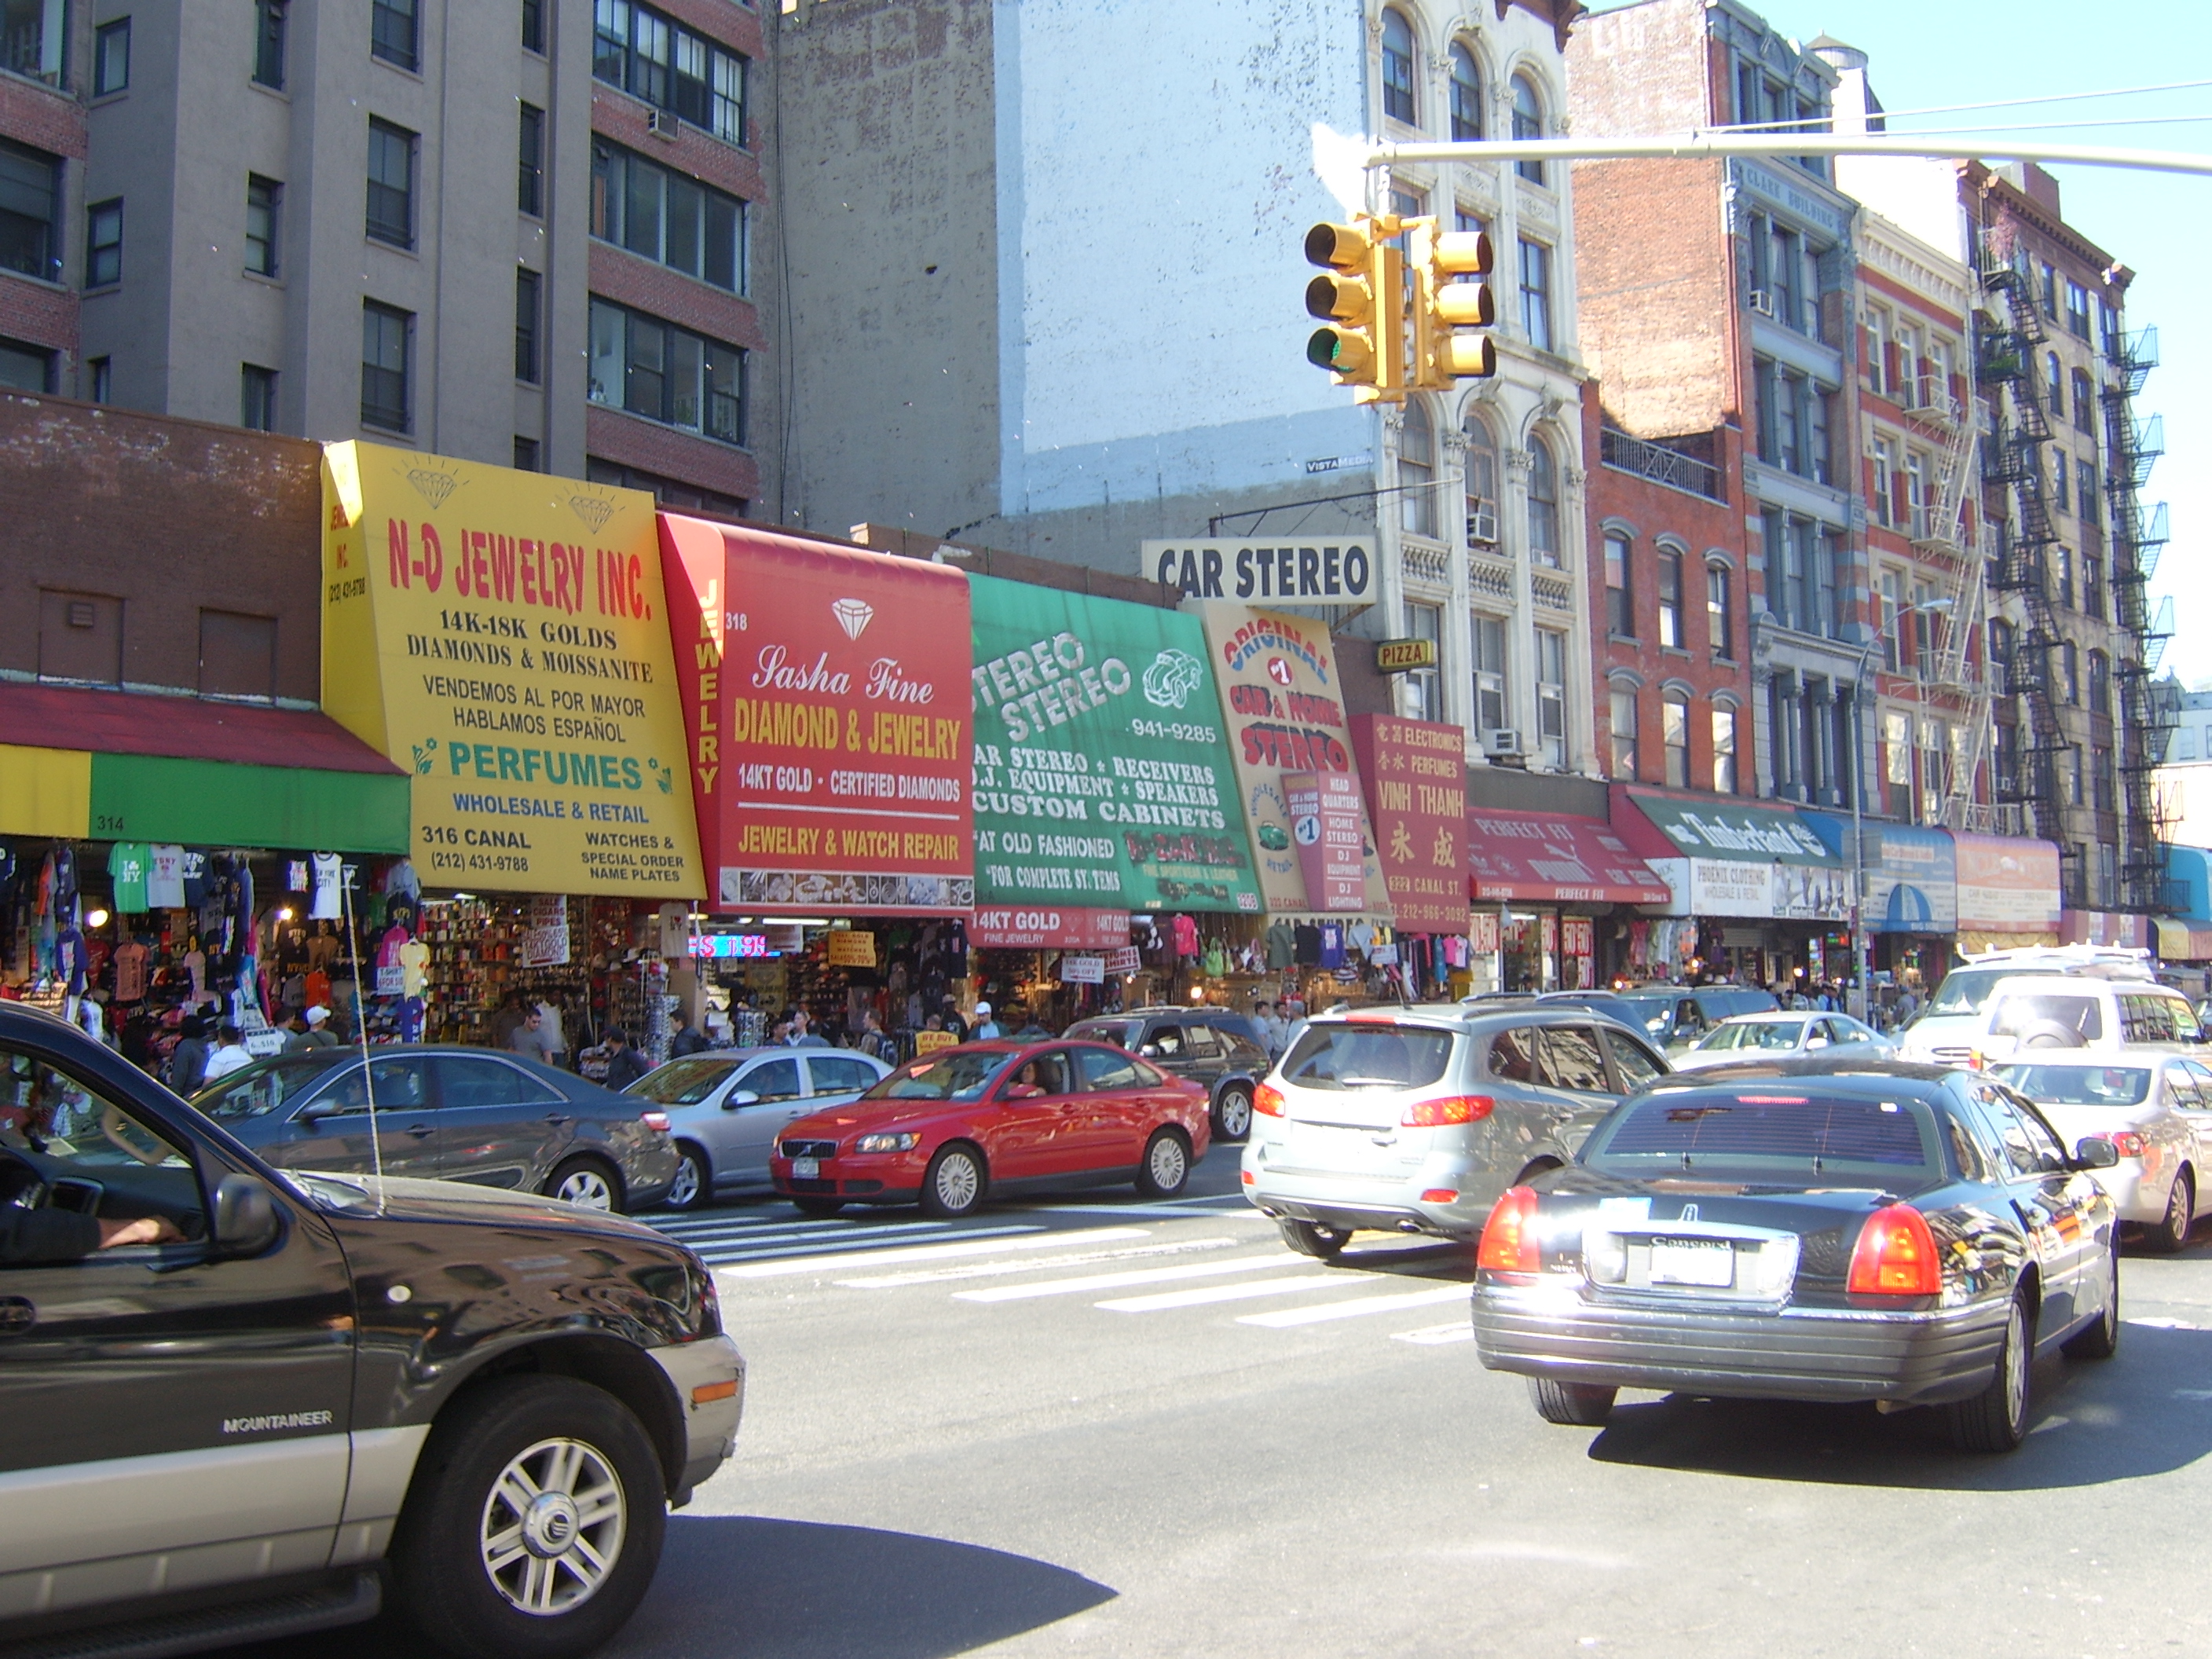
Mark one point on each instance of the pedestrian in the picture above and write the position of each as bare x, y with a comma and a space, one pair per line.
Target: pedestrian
624, 1064
229, 1056
872, 1041
296, 1033
1274, 1028
530, 1039
188, 1060
319, 1035
1031, 1028
508, 1021
803, 1034
685, 1040
985, 1027
953, 1023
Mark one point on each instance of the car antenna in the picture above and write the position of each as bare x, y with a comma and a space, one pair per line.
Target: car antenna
346, 874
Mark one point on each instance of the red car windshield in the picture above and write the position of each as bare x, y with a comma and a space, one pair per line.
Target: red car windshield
959, 1074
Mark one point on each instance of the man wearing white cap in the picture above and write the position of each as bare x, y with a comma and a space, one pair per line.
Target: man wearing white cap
985, 1027
319, 1035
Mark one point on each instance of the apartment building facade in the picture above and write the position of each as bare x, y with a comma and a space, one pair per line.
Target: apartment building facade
532, 219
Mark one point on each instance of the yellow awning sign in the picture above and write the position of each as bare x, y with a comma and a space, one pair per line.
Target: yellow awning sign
503, 637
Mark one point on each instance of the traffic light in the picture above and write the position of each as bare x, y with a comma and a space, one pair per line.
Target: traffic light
1362, 302
1442, 307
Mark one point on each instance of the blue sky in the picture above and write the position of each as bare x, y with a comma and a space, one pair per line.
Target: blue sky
1925, 53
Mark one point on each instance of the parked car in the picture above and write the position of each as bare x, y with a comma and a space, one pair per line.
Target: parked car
1910, 1234
1676, 1016
1223, 1052
2029, 1013
1415, 1119
946, 1130
251, 1403
1784, 1035
727, 1107
2155, 1107
450, 1114
1945, 1028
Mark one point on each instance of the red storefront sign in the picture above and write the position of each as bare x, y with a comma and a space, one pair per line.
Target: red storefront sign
1555, 858
827, 702
1415, 773
1325, 823
997, 927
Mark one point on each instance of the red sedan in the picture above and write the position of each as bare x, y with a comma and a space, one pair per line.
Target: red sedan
947, 1128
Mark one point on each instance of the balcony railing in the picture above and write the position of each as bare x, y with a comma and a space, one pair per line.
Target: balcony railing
1661, 464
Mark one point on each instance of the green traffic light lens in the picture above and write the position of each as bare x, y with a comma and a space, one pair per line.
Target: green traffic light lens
1321, 347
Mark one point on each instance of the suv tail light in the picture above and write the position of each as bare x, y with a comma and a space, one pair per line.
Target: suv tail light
1896, 1255
1267, 1100
1509, 1244
1455, 1109
656, 1121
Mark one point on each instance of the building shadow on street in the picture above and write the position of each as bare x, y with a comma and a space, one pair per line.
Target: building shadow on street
754, 1588
2148, 1411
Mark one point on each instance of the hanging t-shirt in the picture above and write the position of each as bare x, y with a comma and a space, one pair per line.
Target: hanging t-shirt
130, 971
194, 875
413, 966
165, 881
329, 870
1360, 935
296, 875
196, 967
400, 882
1332, 945
1282, 945
1185, 936
1307, 939
69, 958
126, 865
64, 876
315, 989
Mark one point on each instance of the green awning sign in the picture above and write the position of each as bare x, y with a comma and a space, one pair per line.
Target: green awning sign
1740, 833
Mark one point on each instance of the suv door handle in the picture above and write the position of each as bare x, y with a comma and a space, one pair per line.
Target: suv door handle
557, 1118
17, 1315
419, 1130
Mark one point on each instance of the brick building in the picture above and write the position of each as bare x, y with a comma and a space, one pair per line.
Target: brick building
42, 149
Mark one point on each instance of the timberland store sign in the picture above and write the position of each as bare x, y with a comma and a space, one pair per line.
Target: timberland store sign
1337, 571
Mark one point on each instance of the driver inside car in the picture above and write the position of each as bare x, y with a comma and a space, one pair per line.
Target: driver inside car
31, 1238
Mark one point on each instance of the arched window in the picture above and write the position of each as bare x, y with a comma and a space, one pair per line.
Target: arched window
1398, 68
1466, 96
1481, 483
1674, 738
1528, 122
1416, 472
1543, 504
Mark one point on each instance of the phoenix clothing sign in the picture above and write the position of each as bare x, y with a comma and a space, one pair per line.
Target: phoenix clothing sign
1102, 778
825, 690
503, 637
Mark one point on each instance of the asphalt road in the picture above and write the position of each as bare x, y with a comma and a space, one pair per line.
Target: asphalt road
950, 1446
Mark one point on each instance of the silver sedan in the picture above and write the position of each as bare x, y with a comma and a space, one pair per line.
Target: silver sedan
1786, 1036
2154, 1105
726, 1107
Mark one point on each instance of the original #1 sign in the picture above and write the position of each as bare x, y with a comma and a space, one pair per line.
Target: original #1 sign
503, 637
1337, 572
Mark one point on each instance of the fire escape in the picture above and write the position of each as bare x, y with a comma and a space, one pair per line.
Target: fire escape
1942, 532
2132, 448
2012, 460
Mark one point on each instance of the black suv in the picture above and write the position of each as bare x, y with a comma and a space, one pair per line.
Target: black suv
243, 1403
1222, 1051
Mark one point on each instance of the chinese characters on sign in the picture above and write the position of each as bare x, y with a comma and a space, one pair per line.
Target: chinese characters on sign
1415, 773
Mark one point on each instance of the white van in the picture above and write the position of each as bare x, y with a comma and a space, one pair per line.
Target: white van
1946, 1028
2029, 1013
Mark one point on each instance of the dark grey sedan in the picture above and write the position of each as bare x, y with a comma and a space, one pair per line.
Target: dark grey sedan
450, 1114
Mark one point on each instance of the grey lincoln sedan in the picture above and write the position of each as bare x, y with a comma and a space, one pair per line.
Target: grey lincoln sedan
450, 1114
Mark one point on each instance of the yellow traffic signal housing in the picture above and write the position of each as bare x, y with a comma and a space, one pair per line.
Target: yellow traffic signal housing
1442, 307
1362, 303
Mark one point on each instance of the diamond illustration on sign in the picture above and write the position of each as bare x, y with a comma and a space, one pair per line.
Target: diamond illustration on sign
853, 616
1172, 677
432, 486
593, 510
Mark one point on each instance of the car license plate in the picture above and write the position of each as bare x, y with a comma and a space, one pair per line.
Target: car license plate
806, 1169
1710, 1263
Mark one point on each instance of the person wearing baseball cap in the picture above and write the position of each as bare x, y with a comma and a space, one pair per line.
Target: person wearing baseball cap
985, 1027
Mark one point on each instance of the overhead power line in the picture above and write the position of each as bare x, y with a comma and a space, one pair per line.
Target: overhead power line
2001, 103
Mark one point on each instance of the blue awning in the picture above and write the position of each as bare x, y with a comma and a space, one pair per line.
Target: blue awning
1911, 874
2188, 895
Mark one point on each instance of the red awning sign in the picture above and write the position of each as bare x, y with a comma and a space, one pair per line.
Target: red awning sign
1553, 857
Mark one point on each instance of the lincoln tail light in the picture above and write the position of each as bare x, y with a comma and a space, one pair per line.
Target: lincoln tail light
1457, 1109
1509, 1237
656, 1120
1267, 1100
1896, 1255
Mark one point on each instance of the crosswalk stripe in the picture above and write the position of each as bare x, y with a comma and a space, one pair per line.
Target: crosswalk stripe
714, 1223
1038, 1239
793, 1235
1167, 1299
1433, 1335
1116, 1282
1282, 1318
992, 1269
831, 1249
1161, 1211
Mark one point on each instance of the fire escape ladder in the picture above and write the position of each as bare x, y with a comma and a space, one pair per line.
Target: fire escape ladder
2147, 715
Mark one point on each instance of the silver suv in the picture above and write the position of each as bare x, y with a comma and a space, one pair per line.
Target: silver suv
1416, 1119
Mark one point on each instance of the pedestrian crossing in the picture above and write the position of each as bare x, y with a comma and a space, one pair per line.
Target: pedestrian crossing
1192, 1264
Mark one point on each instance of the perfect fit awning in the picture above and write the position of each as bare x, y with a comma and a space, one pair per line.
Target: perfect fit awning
115, 765
1554, 858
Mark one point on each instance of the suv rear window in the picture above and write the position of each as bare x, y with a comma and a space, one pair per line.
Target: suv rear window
1793, 1135
1368, 1056
2020, 1011
2079, 1085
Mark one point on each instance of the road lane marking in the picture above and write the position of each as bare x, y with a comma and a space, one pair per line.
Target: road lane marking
763, 1236
1081, 1258
1283, 1318
1158, 1211
1430, 1335
1168, 1299
2165, 1324
1036, 1239
729, 1255
1117, 1281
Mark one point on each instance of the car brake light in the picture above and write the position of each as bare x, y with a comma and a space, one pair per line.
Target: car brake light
1251, 1180
654, 1121
1896, 1255
1267, 1100
1455, 1109
1440, 1195
2128, 1143
1508, 1245
1974, 1061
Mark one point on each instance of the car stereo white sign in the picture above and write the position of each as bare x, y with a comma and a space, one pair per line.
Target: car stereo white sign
1337, 570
